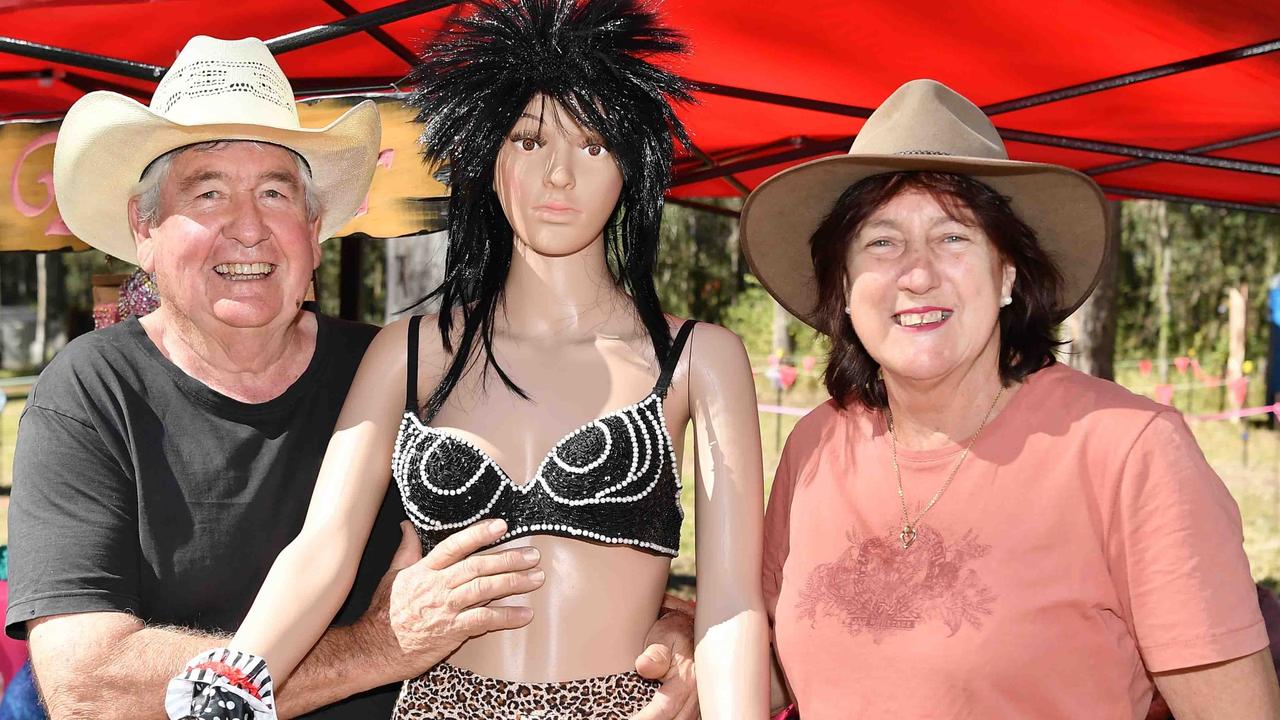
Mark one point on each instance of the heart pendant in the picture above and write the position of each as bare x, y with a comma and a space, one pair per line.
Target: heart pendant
908, 536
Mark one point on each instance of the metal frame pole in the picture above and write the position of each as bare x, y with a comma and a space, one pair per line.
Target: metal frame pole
354, 24
1137, 151
1211, 147
705, 207
88, 61
377, 33
806, 150
1131, 78
1224, 204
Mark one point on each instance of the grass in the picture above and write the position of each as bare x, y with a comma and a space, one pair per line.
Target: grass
1249, 464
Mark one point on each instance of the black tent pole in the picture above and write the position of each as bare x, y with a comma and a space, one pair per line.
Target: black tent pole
1138, 151
88, 61
354, 24
1225, 204
1062, 141
806, 149
282, 44
26, 75
1211, 147
377, 33
1137, 76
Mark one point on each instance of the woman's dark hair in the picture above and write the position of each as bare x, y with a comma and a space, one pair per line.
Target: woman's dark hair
589, 57
1027, 337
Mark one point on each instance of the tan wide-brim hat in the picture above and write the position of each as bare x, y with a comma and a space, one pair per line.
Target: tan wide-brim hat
924, 126
215, 90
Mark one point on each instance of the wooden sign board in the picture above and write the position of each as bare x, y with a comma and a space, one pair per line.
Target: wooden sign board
404, 198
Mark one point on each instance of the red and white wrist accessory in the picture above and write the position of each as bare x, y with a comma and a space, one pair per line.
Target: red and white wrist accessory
222, 683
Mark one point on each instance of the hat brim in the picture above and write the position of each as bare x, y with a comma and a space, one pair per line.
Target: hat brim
1065, 208
107, 140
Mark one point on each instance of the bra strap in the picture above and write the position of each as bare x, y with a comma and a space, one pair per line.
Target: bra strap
411, 370
673, 358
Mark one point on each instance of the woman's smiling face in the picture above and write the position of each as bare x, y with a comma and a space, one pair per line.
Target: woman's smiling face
924, 287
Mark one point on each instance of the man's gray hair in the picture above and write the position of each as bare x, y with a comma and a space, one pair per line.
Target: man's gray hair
158, 171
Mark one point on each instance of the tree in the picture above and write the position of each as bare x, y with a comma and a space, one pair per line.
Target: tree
1092, 327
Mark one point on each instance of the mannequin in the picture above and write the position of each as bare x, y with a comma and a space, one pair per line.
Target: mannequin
511, 368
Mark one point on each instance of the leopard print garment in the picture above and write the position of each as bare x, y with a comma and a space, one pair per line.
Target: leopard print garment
450, 693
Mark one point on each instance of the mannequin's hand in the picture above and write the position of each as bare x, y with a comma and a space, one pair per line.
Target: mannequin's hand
425, 608
668, 658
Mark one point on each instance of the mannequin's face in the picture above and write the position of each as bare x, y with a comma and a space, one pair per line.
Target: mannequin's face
557, 182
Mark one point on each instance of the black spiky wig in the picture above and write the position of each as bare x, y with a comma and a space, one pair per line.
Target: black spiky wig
591, 57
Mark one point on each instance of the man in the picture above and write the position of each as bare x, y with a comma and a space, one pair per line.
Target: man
163, 463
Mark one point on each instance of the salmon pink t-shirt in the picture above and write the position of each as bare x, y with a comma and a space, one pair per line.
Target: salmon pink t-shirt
1084, 543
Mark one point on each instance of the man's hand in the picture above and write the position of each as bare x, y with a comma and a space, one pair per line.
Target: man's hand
425, 608
668, 658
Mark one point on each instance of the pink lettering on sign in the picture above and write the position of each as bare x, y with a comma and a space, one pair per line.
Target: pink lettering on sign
385, 158
57, 227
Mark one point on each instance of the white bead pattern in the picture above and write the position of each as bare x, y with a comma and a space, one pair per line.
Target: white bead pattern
641, 420
588, 534
604, 454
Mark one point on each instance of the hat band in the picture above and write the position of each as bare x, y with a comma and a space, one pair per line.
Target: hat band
922, 152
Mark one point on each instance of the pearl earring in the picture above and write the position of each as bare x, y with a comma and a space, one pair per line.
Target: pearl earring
1006, 301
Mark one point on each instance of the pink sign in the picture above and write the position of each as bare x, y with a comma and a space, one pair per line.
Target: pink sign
57, 227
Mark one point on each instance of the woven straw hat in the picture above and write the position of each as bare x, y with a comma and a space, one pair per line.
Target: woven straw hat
926, 126
215, 90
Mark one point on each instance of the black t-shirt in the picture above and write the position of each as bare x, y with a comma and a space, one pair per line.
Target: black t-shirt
138, 489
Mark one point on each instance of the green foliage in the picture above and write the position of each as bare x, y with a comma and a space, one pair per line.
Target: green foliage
1211, 250
700, 269
373, 286
750, 315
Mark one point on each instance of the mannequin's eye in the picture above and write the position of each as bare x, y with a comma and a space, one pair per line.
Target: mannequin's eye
526, 142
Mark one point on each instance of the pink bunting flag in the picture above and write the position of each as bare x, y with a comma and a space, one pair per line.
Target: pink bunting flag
1239, 390
1164, 394
809, 363
1182, 363
1144, 367
787, 376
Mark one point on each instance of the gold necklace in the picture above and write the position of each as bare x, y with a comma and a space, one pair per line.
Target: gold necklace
908, 534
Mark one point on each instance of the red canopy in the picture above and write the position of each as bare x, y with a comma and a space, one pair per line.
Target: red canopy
1163, 98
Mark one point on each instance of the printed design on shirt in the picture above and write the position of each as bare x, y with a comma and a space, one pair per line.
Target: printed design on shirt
876, 586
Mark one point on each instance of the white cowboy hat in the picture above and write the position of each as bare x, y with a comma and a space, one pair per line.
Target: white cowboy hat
215, 90
923, 125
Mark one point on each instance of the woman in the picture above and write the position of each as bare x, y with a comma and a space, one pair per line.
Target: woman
968, 529
559, 137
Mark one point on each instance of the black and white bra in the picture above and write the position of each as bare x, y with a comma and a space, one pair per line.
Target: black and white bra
613, 480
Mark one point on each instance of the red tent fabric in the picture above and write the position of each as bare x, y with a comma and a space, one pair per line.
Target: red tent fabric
848, 55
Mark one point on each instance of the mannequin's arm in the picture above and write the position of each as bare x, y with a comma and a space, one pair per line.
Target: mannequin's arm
732, 655
314, 573
435, 604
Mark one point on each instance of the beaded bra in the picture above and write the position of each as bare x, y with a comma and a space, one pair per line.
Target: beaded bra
612, 481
